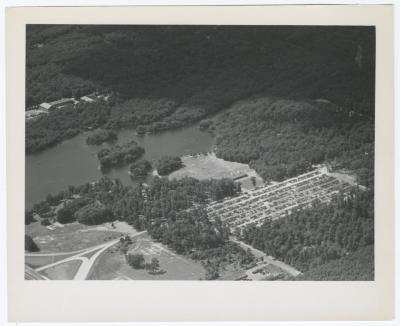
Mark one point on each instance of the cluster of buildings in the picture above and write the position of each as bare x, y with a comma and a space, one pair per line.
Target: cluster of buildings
46, 107
278, 200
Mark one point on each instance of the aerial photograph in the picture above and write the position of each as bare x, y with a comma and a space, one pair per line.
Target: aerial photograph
199, 152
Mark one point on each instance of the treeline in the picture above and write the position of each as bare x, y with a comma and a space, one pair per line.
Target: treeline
184, 73
283, 138
140, 112
168, 164
60, 124
101, 136
30, 245
356, 266
119, 154
86, 211
314, 236
140, 169
171, 211
215, 260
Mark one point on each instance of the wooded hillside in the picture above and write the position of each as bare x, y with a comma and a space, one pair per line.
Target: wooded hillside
202, 68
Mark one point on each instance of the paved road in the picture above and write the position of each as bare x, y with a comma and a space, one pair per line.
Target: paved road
267, 259
86, 263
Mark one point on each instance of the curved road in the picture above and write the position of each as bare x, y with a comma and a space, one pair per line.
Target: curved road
86, 263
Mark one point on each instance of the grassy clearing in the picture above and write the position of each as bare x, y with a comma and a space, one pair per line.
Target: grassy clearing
64, 271
210, 167
112, 264
71, 237
38, 260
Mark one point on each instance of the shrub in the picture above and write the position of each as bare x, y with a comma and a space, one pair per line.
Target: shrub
65, 215
29, 217
94, 214
45, 222
137, 261
168, 164
140, 169
30, 245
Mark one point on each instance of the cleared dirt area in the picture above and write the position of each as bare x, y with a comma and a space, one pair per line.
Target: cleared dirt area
112, 265
70, 237
63, 271
210, 167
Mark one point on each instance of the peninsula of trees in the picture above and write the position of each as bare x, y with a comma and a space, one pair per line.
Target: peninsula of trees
101, 136
119, 154
60, 124
140, 169
168, 164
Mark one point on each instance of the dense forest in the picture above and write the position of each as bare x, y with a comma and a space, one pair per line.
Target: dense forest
168, 164
310, 237
283, 138
140, 169
356, 266
201, 68
52, 128
100, 136
296, 96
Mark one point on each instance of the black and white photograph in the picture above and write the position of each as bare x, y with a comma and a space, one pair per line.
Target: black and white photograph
199, 152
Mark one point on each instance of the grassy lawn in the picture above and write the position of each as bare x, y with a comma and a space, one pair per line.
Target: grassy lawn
37, 261
232, 272
71, 237
64, 271
112, 264
210, 167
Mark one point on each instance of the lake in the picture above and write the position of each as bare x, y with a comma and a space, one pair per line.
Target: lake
73, 162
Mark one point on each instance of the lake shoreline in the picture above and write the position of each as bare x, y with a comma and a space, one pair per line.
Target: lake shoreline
74, 162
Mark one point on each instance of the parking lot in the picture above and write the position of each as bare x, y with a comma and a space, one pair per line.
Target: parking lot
278, 200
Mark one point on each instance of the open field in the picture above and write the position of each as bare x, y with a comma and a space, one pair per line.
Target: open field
112, 265
37, 260
63, 271
71, 237
210, 167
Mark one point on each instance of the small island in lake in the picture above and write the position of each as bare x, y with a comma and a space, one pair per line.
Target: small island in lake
140, 169
119, 154
168, 164
101, 136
